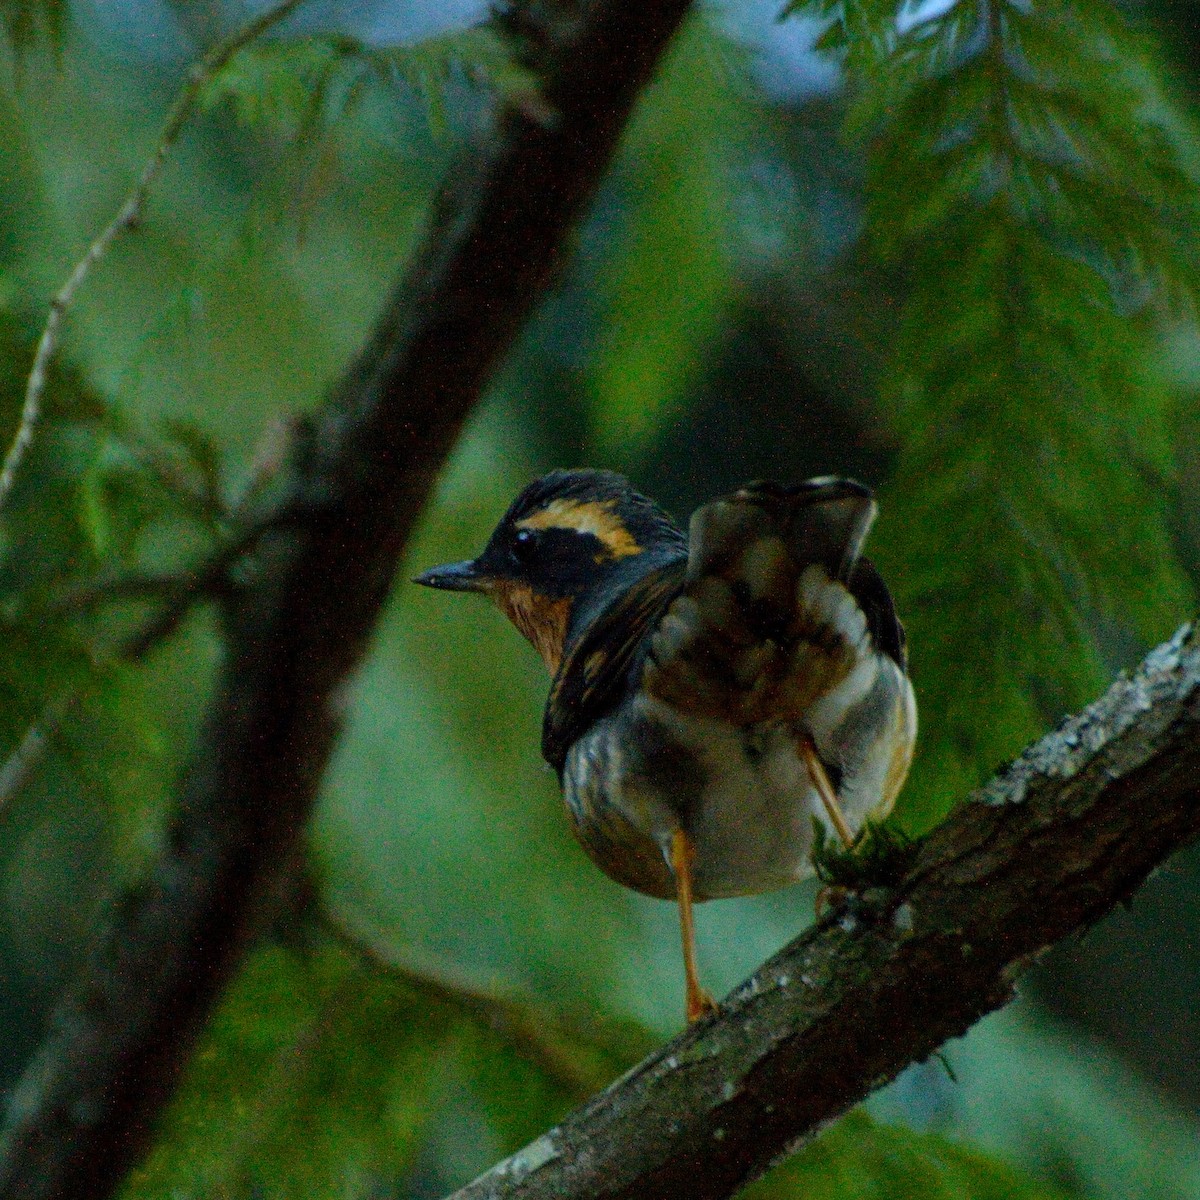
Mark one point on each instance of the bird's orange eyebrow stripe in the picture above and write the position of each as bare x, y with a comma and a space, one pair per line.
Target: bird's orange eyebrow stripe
586, 516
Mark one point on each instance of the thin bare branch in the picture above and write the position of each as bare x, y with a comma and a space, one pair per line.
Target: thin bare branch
127, 217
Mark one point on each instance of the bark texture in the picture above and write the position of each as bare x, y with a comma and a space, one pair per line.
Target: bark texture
1068, 830
496, 233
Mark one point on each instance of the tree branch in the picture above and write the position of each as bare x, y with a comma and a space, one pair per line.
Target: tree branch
1055, 840
496, 233
126, 218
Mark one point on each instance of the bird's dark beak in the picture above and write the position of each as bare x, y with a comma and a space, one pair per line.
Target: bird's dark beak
455, 577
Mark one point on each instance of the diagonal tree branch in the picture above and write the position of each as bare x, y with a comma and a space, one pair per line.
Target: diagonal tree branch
1055, 840
496, 233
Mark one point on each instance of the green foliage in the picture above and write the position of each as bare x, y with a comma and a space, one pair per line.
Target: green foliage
670, 276
88, 748
1030, 196
301, 88
1030, 177
25, 22
313, 1082
860, 1159
326, 102
324, 1073
323, 1076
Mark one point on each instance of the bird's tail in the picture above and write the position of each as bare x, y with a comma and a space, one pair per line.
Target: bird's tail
765, 624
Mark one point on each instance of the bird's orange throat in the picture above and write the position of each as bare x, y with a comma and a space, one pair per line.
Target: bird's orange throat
543, 621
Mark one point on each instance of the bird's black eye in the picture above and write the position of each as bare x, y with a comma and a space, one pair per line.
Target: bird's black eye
523, 545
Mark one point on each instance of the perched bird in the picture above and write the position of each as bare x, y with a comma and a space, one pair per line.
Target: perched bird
712, 692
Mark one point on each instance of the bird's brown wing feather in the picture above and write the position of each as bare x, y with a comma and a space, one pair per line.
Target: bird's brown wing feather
823, 521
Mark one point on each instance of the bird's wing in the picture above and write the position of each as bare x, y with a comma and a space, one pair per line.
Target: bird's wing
594, 672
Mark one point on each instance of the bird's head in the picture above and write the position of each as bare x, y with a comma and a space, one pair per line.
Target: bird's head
568, 542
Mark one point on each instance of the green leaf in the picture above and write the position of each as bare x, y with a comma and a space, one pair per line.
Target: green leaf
281, 84
302, 88
833, 39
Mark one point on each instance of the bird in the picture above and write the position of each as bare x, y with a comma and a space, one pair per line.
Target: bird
714, 694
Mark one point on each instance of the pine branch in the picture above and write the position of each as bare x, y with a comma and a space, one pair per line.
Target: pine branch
1055, 840
496, 233
301, 88
1032, 181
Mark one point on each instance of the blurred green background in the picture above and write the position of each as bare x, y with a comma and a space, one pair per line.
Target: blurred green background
948, 249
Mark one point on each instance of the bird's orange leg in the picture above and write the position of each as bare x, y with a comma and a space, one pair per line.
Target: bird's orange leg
820, 779
699, 1002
